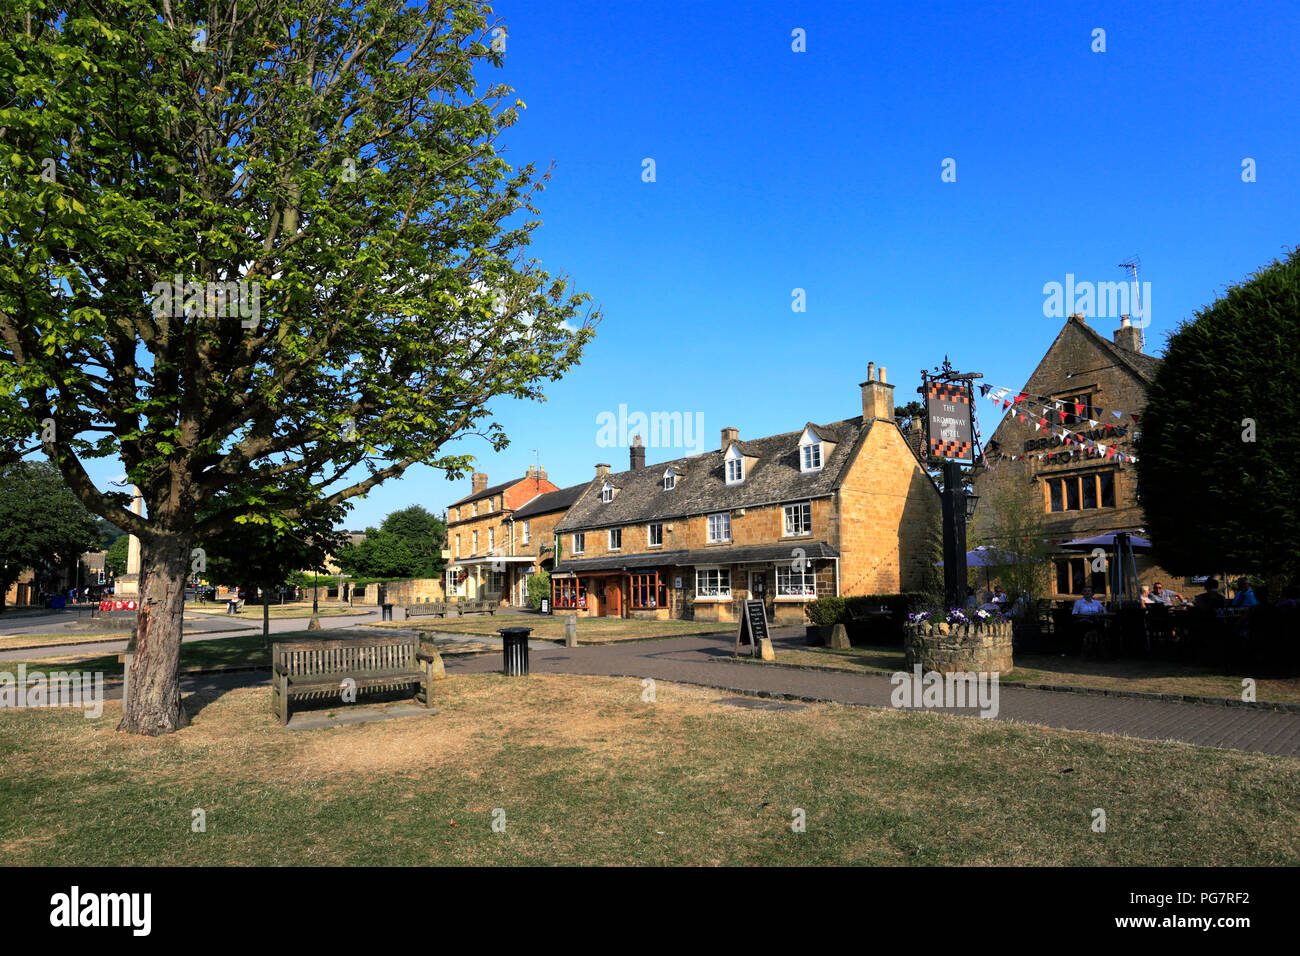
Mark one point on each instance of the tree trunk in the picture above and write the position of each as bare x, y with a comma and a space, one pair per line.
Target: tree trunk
153, 706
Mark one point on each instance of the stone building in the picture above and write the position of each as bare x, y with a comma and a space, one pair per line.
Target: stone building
843, 509
489, 559
1064, 441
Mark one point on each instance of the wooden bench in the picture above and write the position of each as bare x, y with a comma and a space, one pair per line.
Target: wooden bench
435, 609
477, 607
321, 668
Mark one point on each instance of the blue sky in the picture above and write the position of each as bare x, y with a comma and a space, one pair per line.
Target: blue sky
821, 170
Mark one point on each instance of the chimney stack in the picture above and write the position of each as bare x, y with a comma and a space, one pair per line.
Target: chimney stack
729, 435
478, 481
1128, 336
877, 395
602, 470
636, 454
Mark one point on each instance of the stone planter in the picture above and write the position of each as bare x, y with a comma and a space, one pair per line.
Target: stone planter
819, 635
950, 648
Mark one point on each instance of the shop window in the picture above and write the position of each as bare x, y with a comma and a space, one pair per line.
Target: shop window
648, 592
792, 582
568, 593
713, 582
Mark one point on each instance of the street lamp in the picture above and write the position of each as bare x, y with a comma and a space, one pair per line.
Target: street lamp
971, 501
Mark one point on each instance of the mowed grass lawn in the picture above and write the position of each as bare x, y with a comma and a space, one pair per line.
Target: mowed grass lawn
1158, 677
587, 772
591, 630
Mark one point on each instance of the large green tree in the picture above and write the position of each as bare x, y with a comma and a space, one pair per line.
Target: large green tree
254, 244
1219, 444
408, 544
42, 524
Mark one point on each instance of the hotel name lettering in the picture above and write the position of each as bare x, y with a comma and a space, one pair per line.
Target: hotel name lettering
1100, 434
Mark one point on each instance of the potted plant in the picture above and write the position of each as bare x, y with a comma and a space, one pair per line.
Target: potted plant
823, 614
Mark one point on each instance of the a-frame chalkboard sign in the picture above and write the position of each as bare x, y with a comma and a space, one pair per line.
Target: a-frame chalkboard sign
753, 627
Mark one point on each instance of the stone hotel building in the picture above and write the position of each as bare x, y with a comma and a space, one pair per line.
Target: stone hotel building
1101, 385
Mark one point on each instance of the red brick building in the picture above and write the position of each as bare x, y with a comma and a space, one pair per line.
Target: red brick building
491, 552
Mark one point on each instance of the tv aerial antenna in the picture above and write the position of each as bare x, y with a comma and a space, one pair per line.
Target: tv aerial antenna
1133, 263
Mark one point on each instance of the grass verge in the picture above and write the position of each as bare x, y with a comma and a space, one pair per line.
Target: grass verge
586, 772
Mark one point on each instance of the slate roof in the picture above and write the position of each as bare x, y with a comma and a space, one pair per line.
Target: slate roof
701, 486
753, 554
1141, 364
489, 492
551, 501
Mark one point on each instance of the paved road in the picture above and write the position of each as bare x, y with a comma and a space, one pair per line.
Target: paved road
207, 628
707, 661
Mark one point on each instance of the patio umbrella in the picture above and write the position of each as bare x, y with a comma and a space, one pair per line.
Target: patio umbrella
986, 557
1123, 565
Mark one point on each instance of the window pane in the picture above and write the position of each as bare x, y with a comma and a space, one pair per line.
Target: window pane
1071, 494
1107, 489
1062, 577
1055, 488
1089, 490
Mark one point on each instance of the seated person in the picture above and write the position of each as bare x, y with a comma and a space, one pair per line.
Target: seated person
998, 596
1088, 604
1245, 595
1210, 599
1168, 598
1145, 595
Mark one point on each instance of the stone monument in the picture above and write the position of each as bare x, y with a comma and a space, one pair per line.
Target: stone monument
128, 585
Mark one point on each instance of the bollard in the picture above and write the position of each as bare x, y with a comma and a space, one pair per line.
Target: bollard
515, 650
571, 631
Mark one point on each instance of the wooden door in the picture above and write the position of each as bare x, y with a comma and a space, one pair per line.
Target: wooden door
613, 598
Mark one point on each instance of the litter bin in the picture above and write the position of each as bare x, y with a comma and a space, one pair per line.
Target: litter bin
388, 612
516, 650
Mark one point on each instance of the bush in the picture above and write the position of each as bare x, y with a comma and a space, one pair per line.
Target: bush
826, 611
539, 586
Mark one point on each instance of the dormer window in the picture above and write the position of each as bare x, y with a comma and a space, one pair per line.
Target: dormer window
735, 465
607, 493
670, 480
812, 450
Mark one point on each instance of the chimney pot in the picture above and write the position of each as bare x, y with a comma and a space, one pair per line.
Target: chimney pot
729, 435
877, 396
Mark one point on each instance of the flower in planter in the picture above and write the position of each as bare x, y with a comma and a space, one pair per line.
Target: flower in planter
918, 617
957, 616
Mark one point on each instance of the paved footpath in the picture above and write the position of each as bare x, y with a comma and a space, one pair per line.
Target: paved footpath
707, 661
703, 660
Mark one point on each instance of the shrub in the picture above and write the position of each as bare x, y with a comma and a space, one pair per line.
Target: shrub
826, 611
539, 586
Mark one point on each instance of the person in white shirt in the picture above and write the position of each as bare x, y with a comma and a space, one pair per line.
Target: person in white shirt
1088, 604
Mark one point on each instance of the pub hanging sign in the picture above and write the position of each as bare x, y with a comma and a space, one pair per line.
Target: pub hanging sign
948, 417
